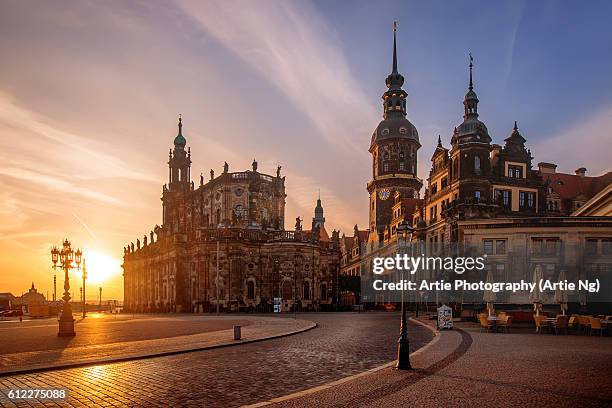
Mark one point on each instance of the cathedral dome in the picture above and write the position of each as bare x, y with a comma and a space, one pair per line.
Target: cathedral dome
396, 127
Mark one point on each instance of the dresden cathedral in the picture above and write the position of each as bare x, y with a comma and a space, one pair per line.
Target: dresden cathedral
224, 244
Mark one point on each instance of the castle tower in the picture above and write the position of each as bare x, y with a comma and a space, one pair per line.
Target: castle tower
470, 151
394, 147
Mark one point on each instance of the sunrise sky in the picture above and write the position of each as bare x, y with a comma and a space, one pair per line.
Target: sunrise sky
90, 93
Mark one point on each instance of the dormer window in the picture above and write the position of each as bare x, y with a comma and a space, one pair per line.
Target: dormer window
403, 130
385, 132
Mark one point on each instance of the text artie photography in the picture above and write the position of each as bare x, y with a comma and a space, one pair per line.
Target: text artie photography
229, 203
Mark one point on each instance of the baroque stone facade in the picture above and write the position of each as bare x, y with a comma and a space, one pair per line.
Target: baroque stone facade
225, 243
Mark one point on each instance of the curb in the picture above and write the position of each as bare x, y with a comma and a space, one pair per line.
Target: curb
326, 386
146, 356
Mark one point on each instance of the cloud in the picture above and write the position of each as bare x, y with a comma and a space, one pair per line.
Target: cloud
581, 145
292, 47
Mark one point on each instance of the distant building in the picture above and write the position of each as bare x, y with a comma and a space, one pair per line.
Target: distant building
239, 217
6, 301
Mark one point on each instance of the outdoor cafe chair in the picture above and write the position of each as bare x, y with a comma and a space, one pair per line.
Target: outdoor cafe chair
561, 324
538, 322
484, 323
595, 325
585, 323
505, 323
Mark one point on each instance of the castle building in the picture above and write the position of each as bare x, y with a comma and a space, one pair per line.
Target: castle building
224, 243
484, 195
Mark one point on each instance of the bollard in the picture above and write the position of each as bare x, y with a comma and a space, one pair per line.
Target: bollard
237, 333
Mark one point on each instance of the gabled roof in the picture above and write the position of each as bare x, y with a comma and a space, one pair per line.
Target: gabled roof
570, 186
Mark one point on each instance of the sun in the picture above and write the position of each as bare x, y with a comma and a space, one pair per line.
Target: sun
101, 267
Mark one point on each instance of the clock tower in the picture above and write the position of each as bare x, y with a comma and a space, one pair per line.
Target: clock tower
394, 147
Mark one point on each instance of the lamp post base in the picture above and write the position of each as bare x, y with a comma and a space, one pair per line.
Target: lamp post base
403, 355
66, 324
66, 329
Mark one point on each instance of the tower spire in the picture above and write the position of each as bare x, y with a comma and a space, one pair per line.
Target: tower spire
471, 86
394, 48
470, 102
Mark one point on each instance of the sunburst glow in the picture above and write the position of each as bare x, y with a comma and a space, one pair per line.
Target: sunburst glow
100, 266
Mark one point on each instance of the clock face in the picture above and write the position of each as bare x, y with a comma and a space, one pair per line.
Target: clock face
384, 194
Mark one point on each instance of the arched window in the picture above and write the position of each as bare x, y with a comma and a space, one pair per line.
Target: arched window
324, 291
287, 290
306, 290
477, 164
250, 290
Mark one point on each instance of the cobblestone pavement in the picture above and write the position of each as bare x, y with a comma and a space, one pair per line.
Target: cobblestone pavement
100, 328
466, 368
342, 345
214, 332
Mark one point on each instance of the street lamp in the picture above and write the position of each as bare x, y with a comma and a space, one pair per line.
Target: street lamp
84, 277
100, 306
67, 259
404, 232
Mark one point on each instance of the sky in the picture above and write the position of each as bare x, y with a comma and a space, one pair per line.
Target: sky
90, 93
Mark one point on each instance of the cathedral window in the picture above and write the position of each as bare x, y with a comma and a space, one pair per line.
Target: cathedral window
287, 290
477, 195
385, 166
401, 154
402, 166
306, 290
251, 290
323, 291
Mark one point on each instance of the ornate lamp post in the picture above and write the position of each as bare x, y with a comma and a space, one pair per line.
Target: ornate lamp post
84, 277
68, 259
404, 233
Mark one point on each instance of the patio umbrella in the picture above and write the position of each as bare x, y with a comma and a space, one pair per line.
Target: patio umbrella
561, 295
535, 296
489, 296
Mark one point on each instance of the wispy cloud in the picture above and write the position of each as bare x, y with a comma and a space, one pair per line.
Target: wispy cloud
581, 145
293, 48
85, 226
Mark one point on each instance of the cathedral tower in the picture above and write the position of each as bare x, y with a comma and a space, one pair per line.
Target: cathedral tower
394, 147
179, 184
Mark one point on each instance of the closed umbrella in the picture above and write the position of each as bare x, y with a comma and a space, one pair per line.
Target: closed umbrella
489, 296
535, 296
561, 295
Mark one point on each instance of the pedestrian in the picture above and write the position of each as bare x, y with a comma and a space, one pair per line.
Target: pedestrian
20, 319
